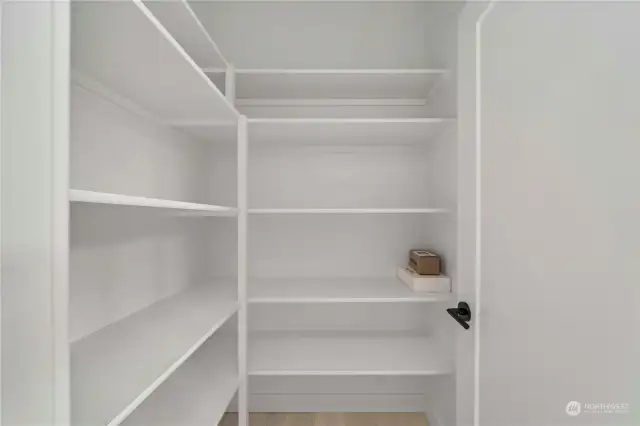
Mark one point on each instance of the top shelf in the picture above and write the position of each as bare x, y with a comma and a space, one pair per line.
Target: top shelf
123, 46
413, 85
180, 20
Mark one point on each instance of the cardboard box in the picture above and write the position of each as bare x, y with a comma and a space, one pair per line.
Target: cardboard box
424, 262
426, 283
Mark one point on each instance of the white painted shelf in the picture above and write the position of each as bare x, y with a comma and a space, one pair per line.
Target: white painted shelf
336, 353
124, 47
324, 131
198, 393
81, 196
271, 85
353, 131
347, 211
337, 290
183, 24
116, 368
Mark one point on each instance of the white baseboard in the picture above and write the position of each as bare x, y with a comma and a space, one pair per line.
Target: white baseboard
336, 403
434, 419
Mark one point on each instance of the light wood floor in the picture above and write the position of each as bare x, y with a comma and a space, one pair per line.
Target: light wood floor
329, 419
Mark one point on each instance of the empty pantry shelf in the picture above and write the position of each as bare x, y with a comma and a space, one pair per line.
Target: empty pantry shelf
337, 290
340, 353
199, 392
353, 131
116, 368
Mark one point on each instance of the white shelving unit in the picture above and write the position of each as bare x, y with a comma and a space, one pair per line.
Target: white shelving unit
92, 197
330, 139
154, 331
337, 290
160, 319
330, 353
341, 169
114, 369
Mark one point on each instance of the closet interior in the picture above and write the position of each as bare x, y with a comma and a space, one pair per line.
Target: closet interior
245, 178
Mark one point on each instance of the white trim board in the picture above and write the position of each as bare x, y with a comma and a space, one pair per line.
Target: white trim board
332, 83
321, 71
288, 211
262, 102
337, 290
335, 402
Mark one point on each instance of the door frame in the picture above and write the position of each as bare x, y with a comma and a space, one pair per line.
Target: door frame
34, 208
469, 207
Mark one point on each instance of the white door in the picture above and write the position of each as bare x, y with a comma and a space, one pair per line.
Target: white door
560, 215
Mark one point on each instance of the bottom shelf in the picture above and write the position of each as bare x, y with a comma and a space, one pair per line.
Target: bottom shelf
198, 393
336, 419
338, 353
116, 368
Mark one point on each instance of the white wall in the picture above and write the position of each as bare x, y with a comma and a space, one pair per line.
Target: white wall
124, 259
326, 34
113, 150
560, 207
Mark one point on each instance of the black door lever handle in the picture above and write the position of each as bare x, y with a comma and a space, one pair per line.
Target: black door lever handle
462, 314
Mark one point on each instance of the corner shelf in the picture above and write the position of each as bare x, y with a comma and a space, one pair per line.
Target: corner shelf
124, 47
337, 290
341, 353
81, 196
116, 368
199, 392
295, 84
324, 131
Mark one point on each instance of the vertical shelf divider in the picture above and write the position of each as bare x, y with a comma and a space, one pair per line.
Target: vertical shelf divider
242, 153
230, 84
